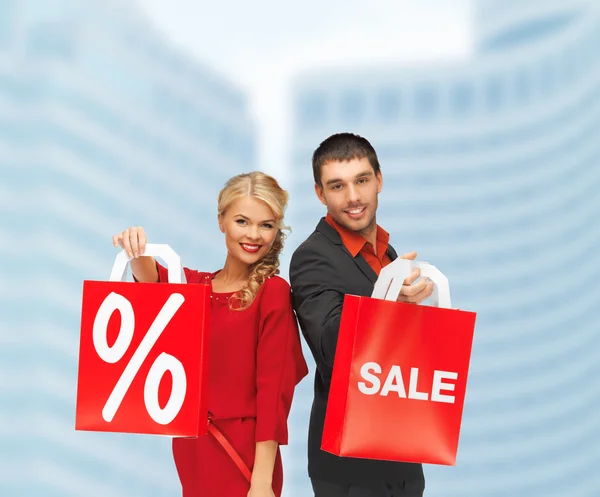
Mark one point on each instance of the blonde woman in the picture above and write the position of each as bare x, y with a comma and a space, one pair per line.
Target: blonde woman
256, 357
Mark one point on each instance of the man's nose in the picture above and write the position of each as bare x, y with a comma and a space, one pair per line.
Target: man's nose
353, 194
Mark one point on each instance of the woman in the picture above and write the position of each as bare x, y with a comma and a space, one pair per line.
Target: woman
256, 356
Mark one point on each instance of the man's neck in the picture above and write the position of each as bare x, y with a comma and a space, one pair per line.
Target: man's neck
370, 234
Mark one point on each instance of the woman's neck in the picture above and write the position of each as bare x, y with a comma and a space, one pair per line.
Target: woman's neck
233, 276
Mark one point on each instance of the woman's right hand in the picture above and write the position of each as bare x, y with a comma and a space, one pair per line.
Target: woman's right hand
133, 240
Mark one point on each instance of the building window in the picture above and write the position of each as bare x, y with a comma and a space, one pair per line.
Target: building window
51, 40
494, 93
522, 86
388, 105
9, 86
588, 53
6, 21
461, 98
228, 142
352, 106
312, 109
596, 38
426, 102
527, 32
163, 101
48, 12
548, 77
578, 55
568, 66
203, 126
246, 153
118, 76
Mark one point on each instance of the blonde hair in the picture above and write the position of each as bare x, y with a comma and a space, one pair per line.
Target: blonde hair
266, 188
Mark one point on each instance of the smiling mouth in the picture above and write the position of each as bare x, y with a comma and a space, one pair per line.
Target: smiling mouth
248, 247
357, 211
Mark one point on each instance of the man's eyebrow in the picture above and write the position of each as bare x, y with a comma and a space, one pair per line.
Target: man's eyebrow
339, 180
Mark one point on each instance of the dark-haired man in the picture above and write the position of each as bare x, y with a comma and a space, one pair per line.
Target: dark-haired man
344, 255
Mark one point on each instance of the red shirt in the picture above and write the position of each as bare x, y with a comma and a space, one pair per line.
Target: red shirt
358, 244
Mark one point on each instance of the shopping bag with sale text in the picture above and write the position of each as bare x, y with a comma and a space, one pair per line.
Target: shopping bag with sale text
143, 354
400, 373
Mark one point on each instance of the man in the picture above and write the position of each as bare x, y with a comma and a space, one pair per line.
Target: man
344, 255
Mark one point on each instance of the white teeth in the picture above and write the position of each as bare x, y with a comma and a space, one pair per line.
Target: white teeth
250, 247
355, 211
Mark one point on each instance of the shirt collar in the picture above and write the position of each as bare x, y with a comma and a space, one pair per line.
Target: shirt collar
354, 241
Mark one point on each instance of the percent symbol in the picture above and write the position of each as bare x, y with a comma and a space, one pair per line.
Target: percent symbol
163, 363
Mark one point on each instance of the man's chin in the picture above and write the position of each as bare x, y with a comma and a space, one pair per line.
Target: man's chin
354, 224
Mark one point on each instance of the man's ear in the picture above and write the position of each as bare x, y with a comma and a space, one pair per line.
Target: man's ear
379, 178
320, 193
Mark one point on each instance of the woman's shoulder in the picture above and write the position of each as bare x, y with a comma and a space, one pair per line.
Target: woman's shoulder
275, 287
277, 283
196, 276
191, 275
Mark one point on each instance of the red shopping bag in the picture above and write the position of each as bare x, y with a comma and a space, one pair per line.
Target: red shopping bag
400, 374
143, 356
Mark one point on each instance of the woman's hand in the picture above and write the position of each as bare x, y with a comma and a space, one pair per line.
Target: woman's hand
133, 240
261, 490
261, 483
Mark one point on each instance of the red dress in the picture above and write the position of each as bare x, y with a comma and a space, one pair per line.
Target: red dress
256, 361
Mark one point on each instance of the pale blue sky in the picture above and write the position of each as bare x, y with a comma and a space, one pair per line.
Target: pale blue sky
261, 44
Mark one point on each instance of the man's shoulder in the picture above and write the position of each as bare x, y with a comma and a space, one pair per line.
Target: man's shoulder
316, 244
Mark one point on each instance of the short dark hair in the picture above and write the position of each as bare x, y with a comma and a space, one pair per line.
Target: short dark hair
343, 147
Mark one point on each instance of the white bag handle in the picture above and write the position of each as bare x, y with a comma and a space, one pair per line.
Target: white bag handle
392, 276
162, 250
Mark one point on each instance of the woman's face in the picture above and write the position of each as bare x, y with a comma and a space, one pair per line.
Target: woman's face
250, 228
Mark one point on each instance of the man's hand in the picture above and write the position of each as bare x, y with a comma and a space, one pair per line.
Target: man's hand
412, 292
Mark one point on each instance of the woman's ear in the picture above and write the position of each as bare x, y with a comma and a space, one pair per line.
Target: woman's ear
220, 221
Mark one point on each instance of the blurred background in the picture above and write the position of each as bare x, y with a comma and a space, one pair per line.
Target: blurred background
486, 118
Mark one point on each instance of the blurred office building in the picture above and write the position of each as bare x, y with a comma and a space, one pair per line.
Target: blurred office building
102, 126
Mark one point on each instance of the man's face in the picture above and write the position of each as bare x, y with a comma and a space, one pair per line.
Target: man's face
349, 190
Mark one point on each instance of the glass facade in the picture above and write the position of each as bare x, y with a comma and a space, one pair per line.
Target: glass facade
102, 126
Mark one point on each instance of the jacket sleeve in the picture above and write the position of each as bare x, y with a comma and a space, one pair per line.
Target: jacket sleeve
280, 364
317, 303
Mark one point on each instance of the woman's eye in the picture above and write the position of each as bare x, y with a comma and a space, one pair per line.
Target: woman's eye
268, 226
240, 221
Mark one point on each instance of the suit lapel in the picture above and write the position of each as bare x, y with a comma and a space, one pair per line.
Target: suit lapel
326, 229
363, 265
392, 253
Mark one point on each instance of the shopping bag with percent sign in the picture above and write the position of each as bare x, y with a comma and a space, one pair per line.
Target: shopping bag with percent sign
400, 373
144, 352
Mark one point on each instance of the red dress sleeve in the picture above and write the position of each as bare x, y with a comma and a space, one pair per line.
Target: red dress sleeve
280, 363
191, 275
